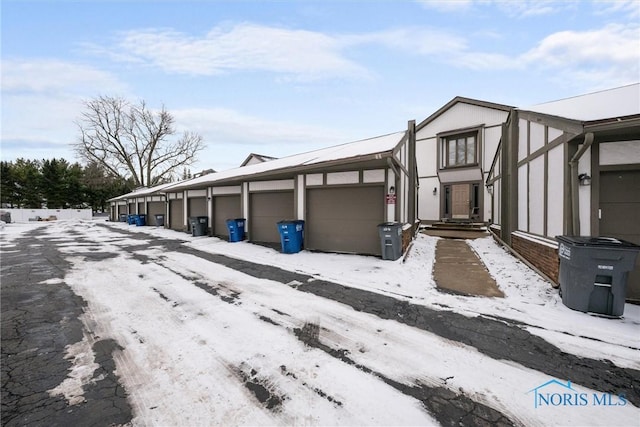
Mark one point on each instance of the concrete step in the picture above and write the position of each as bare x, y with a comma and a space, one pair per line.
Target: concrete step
456, 230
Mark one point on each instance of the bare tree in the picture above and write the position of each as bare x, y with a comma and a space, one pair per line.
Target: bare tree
132, 141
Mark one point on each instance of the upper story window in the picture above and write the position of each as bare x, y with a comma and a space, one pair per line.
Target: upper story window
459, 150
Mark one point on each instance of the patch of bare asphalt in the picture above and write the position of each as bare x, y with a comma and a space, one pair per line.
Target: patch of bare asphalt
261, 387
39, 321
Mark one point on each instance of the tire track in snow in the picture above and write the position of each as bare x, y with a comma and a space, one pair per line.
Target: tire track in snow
497, 338
448, 407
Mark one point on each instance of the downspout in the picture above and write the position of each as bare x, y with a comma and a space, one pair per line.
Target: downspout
573, 165
411, 203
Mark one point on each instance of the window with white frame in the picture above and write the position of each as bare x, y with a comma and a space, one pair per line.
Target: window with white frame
459, 150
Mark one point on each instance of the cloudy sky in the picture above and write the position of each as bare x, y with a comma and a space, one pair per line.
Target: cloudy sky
283, 77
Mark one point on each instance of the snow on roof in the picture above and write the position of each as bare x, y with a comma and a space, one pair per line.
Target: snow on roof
363, 147
143, 191
258, 157
607, 104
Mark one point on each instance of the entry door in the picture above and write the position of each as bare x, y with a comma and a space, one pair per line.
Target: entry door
460, 201
619, 213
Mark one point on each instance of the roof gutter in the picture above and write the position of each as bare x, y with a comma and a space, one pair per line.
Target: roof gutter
276, 173
573, 165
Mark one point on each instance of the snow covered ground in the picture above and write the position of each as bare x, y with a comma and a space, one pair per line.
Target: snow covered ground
193, 331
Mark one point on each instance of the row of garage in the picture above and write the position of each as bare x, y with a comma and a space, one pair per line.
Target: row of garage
339, 219
342, 199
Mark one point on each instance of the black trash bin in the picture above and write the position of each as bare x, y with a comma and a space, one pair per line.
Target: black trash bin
160, 220
593, 273
123, 217
199, 225
390, 240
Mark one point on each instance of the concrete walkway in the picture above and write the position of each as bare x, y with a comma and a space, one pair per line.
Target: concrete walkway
458, 269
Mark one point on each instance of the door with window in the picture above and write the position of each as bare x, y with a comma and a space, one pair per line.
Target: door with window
462, 201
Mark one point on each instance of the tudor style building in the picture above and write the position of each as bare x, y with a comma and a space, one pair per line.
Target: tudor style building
569, 167
455, 147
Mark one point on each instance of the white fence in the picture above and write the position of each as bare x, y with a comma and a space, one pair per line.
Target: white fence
24, 215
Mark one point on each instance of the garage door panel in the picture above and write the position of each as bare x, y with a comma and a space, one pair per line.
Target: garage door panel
225, 207
344, 219
265, 211
176, 218
155, 208
197, 207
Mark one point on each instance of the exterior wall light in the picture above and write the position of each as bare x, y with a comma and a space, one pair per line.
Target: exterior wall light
435, 190
584, 179
490, 189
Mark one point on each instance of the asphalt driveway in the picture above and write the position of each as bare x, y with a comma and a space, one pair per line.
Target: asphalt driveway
97, 320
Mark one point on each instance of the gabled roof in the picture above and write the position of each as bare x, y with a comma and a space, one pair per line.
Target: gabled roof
259, 157
143, 191
378, 147
460, 99
607, 104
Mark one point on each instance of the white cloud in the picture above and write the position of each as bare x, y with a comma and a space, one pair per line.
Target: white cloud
305, 54
513, 9
609, 53
629, 7
447, 5
532, 8
231, 135
220, 125
52, 75
415, 40
41, 98
612, 50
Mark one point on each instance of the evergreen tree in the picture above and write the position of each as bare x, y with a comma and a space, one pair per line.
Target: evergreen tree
54, 183
8, 188
28, 184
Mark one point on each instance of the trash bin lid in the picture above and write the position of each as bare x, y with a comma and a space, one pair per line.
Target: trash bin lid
287, 221
602, 242
390, 224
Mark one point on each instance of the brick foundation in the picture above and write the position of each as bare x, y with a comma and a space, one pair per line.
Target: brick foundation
543, 257
407, 236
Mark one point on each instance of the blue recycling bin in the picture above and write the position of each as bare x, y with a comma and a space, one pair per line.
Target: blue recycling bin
131, 219
141, 219
291, 236
236, 229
